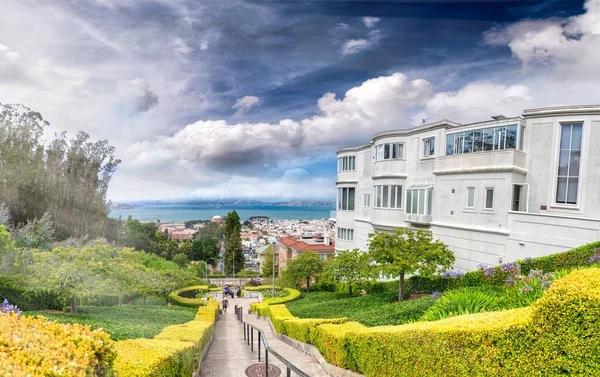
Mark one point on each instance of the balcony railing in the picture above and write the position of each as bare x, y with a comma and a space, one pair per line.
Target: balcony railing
508, 160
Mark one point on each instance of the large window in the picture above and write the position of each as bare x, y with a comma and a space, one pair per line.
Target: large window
419, 201
429, 147
389, 151
568, 163
388, 196
347, 163
488, 139
345, 234
345, 198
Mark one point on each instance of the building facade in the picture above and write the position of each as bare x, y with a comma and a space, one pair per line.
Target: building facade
493, 191
288, 248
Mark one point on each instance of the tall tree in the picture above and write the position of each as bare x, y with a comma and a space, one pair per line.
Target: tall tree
349, 266
267, 267
304, 268
234, 257
407, 252
68, 178
232, 225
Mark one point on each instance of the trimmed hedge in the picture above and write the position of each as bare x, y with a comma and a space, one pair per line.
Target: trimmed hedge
304, 329
261, 287
558, 335
259, 307
279, 314
39, 347
176, 298
330, 340
32, 300
173, 352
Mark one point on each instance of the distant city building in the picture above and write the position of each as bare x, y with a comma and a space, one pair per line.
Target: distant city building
288, 248
181, 234
493, 191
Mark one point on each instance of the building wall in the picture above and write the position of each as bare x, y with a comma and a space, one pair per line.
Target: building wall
478, 235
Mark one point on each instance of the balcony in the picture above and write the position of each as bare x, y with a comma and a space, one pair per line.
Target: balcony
418, 219
389, 169
509, 160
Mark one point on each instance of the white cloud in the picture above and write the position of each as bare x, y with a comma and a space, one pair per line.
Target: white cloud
370, 22
354, 46
242, 105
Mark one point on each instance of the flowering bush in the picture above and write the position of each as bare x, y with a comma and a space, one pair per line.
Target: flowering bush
596, 257
38, 347
524, 290
7, 308
452, 274
461, 302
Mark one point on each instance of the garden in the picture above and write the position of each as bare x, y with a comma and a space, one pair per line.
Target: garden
536, 316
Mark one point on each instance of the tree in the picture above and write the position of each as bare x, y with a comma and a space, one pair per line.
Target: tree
139, 235
4, 215
234, 258
114, 231
68, 178
180, 259
349, 266
267, 267
232, 225
407, 252
35, 234
305, 267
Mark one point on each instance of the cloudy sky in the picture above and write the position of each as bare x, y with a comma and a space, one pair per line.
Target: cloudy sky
232, 99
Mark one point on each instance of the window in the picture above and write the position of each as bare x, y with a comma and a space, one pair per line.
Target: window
519, 198
487, 139
489, 198
390, 151
429, 147
471, 197
367, 200
347, 163
388, 196
345, 198
568, 163
345, 234
419, 201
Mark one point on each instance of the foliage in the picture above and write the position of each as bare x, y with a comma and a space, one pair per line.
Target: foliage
38, 347
279, 314
66, 178
307, 266
155, 262
128, 322
35, 234
406, 252
174, 352
6, 307
330, 340
180, 297
234, 258
460, 302
180, 259
304, 329
293, 294
267, 266
4, 215
349, 266
369, 310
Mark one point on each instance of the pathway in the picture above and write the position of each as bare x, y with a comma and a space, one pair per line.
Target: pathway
229, 356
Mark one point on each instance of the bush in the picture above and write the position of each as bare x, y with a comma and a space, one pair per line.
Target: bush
461, 302
330, 340
38, 347
32, 299
174, 352
279, 314
177, 298
304, 329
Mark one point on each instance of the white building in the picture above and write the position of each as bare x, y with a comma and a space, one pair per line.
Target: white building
493, 191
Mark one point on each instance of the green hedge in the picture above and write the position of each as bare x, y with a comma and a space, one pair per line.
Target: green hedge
558, 335
578, 257
304, 329
330, 340
32, 300
260, 307
176, 297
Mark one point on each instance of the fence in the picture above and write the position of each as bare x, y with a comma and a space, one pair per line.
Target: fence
261, 339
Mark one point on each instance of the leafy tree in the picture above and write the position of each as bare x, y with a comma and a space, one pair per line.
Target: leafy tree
232, 225
36, 234
4, 215
349, 266
68, 178
140, 235
234, 258
7, 248
114, 231
267, 267
186, 249
210, 230
305, 267
180, 259
407, 252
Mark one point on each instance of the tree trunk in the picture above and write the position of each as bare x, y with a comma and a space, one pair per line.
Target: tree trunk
349, 289
401, 287
74, 304
144, 300
307, 284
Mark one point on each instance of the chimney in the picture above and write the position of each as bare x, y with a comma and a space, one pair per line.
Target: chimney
327, 241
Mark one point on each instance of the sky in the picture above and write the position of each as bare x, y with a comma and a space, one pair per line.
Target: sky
250, 99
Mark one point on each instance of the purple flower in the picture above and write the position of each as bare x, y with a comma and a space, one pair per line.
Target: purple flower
489, 272
533, 274
452, 274
526, 289
482, 266
6, 308
435, 295
595, 258
510, 280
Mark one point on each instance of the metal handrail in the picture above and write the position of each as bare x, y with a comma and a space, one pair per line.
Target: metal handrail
249, 337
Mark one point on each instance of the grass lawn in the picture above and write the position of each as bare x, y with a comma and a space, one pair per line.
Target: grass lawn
128, 322
370, 310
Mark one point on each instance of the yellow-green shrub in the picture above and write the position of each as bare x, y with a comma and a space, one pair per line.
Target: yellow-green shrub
303, 329
279, 314
175, 298
38, 347
261, 287
154, 357
330, 340
173, 352
292, 294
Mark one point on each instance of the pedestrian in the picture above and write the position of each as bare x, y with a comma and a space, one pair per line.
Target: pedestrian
224, 304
